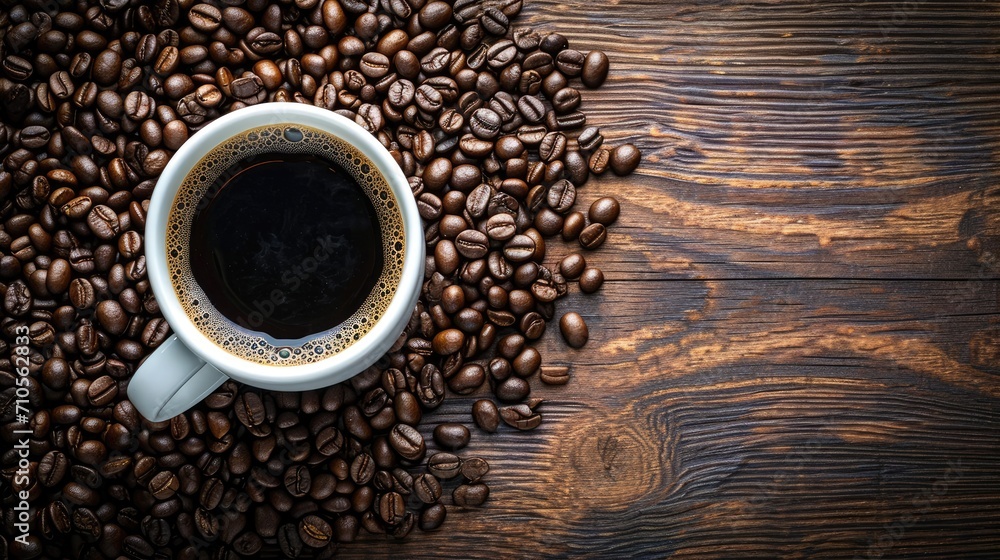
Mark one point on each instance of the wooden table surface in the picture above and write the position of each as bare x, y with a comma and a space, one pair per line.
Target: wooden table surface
796, 353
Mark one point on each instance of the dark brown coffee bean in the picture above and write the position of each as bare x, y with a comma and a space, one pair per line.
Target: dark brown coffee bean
520, 416
432, 517
572, 266
470, 495
451, 435
444, 465
604, 211
531, 135
512, 389
599, 161
501, 53
427, 488
448, 342
315, 531
289, 541
468, 379
519, 248
554, 375
552, 146
570, 62
391, 508
298, 481
486, 415
595, 69
625, 159
561, 196
250, 412
574, 329
163, 485
593, 236
52, 468
566, 100
205, 17
103, 222
472, 244
102, 391
107, 67
485, 124
590, 139
591, 280
407, 442
446, 257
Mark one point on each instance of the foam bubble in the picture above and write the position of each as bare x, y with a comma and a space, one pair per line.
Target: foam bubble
290, 140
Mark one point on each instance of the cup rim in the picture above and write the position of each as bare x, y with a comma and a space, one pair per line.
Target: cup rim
345, 363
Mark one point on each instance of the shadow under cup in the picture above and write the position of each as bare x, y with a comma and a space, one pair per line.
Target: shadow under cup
268, 258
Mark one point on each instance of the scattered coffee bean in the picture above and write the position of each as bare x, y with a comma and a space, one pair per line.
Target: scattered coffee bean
574, 329
452, 436
604, 211
624, 159
470, 495
591, 280
486, 415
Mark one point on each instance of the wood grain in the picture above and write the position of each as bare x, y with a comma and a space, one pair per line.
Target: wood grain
797, 353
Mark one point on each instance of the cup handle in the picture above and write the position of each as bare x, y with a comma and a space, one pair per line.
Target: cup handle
172, 380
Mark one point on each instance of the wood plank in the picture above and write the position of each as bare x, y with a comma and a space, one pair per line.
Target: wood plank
787, 418
798, 139
796, 353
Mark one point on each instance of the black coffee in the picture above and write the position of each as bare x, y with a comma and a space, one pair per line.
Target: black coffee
289, 245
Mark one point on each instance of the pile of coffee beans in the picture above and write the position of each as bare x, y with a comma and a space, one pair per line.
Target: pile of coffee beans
95, 95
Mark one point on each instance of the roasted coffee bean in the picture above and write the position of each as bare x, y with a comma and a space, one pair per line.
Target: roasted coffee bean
298, 481
467, 379
289, 541
519, 248
595, 69
552, 146
486, 415
163, 485
591, 280
103, 222
432, 517
554, 375
574, 329
391, 508
604, 211
599, 161
444, 465
593, 236
590, 139
205, 17
451, 435
427, 488
472, 244
102, 390
561, 196
407, 442
485, 124
520, 416
624, 159
315, 531
470, 495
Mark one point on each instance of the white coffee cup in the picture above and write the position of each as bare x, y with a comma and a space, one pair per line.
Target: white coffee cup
190, 365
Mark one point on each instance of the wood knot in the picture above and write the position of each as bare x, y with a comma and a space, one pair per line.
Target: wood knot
617, 462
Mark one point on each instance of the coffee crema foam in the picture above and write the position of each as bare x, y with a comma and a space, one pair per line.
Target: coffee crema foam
279, 139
